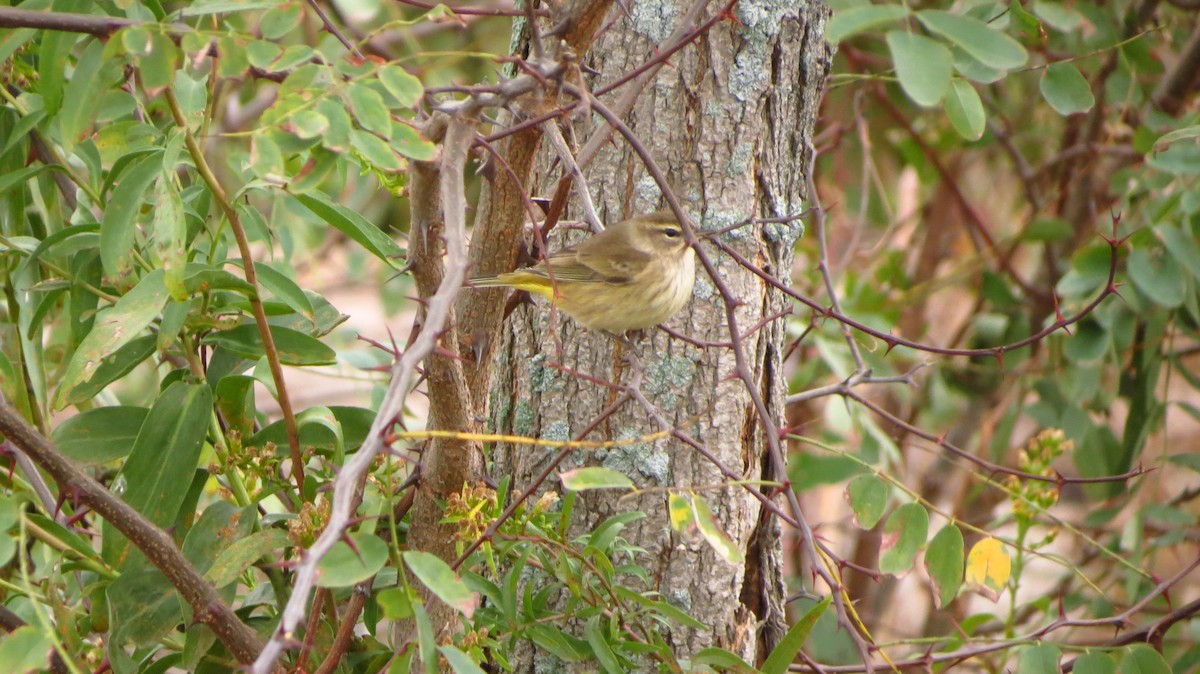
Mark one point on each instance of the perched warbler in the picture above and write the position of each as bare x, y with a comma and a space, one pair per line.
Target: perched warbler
635, 274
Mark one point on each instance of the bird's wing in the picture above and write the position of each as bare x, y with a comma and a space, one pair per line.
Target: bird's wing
566, 266
615, 262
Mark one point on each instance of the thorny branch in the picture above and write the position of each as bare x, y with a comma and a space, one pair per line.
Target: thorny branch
454, 157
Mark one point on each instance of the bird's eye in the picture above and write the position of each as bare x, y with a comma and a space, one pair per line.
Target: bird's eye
672, 232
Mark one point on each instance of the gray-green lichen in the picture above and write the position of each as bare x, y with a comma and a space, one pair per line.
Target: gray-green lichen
718, 220
703, 290
668, 376
680, 599
648, 459
750, 74
785, 233
739, 160
500, 406
557, 431
765, 17
523, 418
655, 20
542, 378
647, 190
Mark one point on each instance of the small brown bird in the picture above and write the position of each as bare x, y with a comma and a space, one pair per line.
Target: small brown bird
635, 274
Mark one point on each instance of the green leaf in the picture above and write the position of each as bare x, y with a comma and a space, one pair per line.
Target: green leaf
82, 91
284, 288
1158, 276
159, 65
712, 532
854, 20
369, 110
972, 69
395, 603
987, 45
113, 328
144, 605
375, 151
441, 580
352, 225
1182, 246
561, 645
262, 54
868, 497
783, 655
409, 143
101, 435
307, 124
294, 347
114, 367
1142, 659
266, 160
403, 86
1187, 133
345, 566
1040, 659
903, 537
170, 234
280, 20
117, 230
722, 658
965, 110
355, 422
1066, 90
1058, 16
234, 61
594, 633
460, 663
594, 477
1095, 663
237, 557
1089, 343
164, 457
922, 66
26, 649
944, 563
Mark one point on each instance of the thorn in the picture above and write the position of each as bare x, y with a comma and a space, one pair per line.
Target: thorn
891, 344
727, 13
353, 548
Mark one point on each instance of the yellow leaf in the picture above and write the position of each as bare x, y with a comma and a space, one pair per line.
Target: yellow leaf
988, 568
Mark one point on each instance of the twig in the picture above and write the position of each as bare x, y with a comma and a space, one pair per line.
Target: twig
207, 606
454, 158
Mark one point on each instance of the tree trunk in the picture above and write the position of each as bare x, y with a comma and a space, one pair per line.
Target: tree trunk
729, 121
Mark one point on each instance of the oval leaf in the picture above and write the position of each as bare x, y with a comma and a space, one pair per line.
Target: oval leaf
854, 20
922, 66
944, 563
867, 496
594, 477
988, 568
965, 110
983, 42
345, 566
1066, 89
442, 581
903, 537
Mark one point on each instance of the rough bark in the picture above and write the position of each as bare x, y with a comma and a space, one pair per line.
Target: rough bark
729, 122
